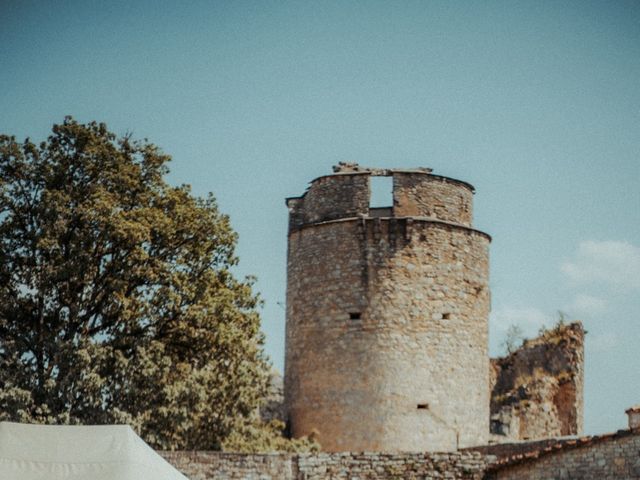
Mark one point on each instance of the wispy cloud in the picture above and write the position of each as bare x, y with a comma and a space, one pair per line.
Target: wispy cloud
608, 262
584, 305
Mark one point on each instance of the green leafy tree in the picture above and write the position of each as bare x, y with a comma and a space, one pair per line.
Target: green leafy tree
117, 303
259, 437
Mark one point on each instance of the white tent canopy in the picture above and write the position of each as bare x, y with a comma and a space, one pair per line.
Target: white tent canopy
51, 452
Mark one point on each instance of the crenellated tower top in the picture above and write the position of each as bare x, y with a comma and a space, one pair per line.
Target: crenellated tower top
416, 193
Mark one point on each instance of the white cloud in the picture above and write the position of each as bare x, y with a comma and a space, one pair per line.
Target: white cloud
608, 262
586, 306
601, 342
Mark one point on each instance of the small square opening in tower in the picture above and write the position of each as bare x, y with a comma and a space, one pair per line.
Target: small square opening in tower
446, 316
355, 315
381, 192
423, 406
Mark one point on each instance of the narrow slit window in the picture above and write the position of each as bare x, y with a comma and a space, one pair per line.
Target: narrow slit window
423, 406
381, 192
355, 315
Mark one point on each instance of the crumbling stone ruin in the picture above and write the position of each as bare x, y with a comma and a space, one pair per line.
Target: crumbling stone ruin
537, 391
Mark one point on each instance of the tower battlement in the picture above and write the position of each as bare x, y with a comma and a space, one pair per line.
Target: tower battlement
416, 193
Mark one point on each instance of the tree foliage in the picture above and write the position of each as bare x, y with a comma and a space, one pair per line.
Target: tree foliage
265, 437
117, 303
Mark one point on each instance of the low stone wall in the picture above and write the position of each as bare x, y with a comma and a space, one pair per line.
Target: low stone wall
603, 457
218, 465
597, 458
505, 451
328, 466
391, 466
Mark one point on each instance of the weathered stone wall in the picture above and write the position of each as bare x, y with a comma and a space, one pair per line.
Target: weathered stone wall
387, 333
324, 466
604, 457
331, 197
416, 193
426, 195
231, 466
374, 466
537, 391
608, 457
502, 451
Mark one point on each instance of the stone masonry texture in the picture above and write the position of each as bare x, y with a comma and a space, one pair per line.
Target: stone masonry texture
605, 457
387, 315
329, 466
537, 391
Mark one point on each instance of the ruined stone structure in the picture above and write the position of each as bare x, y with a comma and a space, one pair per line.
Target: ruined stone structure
537, 391
387, 314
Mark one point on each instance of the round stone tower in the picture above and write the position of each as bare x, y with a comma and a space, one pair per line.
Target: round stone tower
387, 314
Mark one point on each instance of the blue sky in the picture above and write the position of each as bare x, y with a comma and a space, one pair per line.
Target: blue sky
535, 103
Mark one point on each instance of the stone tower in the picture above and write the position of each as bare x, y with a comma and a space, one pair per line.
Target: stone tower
387, 314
